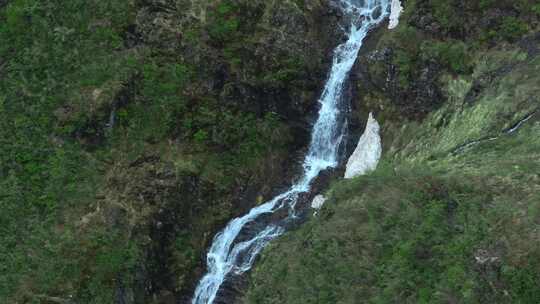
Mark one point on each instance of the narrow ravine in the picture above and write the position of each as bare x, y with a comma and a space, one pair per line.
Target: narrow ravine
235, 248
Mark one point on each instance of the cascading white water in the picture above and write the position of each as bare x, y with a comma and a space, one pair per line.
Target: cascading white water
230, 256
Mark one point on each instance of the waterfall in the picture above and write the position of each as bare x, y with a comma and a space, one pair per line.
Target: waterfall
235, 248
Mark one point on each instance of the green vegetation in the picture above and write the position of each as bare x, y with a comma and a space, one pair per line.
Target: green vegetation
407, 55
55, 54
536, 9
455, 17
512, 28
104, 122
453, 55
407, 235
434, 223
428, 226
130, 130
449, 33
225, 23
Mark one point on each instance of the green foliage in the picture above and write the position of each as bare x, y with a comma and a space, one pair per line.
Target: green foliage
406, 38
407, 51
54, 52
159, 102
201, 136
397, 236
225, 23
454, 35
451, 54
69, 69
412, 51
239, 137
536, 9
485, 4
286, 71
232, 54
65, 68
447, 14
461, 19
407, 65
407, 235
513, 28
458, 228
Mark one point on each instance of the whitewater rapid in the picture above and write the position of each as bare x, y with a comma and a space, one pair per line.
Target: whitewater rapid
235, 248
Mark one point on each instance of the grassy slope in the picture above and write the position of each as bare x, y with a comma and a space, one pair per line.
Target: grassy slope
52, 53
411, 231
78, 199
429, 225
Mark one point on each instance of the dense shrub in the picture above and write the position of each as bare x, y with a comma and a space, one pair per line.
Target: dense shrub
468, 20
224, 22
399, 238
452, 54
512, 28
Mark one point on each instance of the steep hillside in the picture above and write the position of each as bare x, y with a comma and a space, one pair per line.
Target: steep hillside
452, 214
132, 130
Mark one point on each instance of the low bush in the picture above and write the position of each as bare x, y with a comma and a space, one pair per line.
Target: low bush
512, 28
451, 54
